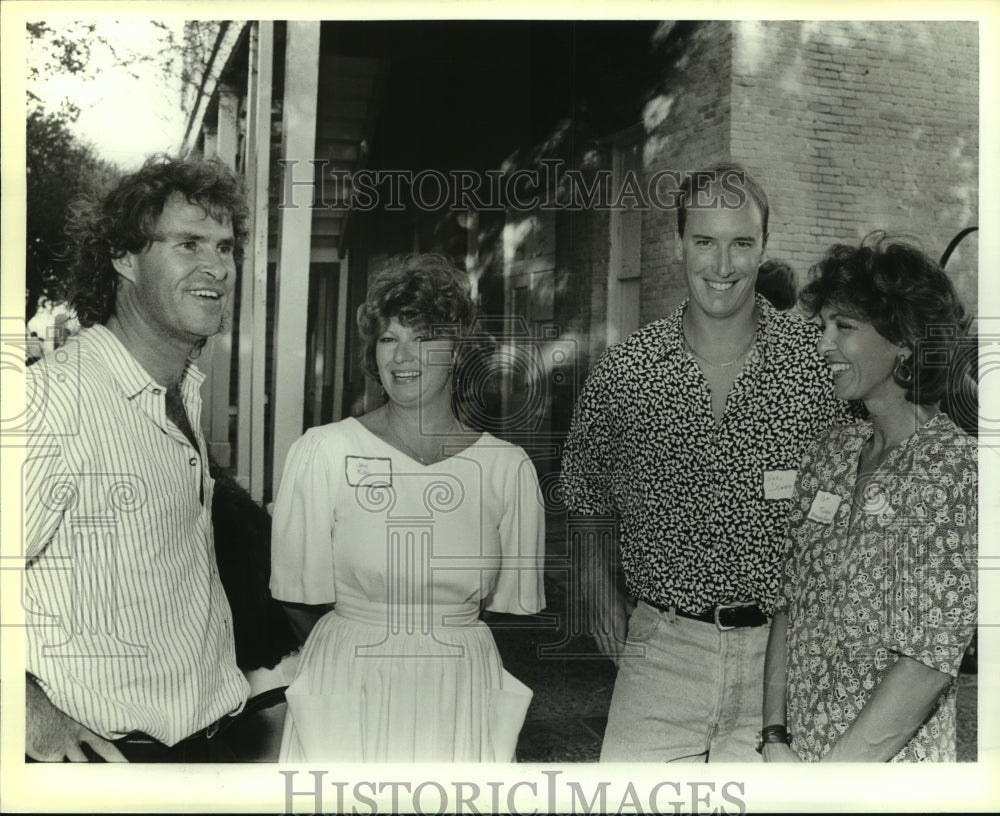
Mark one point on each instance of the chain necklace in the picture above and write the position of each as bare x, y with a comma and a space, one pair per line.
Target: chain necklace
733, 362
411, 451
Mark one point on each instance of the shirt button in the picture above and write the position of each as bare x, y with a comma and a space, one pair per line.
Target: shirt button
156, 392
192, 461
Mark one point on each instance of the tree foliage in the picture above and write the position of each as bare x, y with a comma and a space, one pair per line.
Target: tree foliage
179, 55
53, 52
187, 56
59, 168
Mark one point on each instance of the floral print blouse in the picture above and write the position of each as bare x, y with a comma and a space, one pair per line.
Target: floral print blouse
900, 579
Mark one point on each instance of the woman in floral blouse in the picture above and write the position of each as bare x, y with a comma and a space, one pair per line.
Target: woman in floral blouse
879, 598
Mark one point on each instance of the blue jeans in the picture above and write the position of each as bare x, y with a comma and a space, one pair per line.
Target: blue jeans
694, 695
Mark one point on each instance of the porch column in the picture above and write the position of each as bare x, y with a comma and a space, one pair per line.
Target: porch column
298, 137
340, 339
251, 398
219, 350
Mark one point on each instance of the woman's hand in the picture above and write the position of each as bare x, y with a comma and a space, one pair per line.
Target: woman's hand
779, 752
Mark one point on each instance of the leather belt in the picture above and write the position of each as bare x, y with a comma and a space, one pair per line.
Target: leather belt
724, 616
213, 743
206, 733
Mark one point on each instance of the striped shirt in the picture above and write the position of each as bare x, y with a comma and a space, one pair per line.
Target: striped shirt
129, 628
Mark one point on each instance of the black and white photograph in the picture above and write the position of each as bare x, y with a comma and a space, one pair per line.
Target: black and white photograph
465, 409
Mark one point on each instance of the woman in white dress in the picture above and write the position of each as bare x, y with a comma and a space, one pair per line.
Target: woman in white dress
405, 523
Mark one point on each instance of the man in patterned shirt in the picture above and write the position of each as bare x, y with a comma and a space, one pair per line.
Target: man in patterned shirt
130, 637
688, 435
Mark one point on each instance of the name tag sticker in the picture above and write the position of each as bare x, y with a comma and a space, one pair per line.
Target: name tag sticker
779, 484
824, 507
369, 471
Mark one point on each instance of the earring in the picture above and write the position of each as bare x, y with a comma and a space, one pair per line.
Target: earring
902, 373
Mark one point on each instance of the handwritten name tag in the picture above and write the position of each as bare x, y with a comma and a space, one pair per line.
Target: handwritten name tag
824, 507
778, 484
371, 471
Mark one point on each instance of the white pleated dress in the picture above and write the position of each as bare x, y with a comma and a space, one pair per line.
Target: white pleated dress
402, 669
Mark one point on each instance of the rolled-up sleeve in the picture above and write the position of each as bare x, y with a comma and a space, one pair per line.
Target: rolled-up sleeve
935, 572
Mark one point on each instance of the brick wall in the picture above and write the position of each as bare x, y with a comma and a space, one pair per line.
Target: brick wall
856, 126
849, 126
688, 121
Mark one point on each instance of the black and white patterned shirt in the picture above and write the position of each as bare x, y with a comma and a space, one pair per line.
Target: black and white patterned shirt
702, 509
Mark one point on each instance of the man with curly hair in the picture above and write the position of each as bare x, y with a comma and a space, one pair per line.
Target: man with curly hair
130, 637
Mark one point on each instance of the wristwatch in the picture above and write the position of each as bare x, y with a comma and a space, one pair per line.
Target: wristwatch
771, 733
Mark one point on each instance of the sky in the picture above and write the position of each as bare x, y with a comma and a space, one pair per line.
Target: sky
124, 117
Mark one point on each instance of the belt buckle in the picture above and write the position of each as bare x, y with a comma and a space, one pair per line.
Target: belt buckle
719, 608
212, 729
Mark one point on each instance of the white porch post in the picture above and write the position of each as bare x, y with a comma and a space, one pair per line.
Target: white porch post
340, 339
294, 239
251, 399
218, 351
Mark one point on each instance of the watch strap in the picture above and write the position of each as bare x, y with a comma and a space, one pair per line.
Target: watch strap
772, 734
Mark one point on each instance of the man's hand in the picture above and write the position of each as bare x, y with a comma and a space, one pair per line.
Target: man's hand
779, 752
608, 620
51, 735
602, 601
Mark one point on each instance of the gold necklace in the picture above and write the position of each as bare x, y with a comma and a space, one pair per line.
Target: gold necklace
411, 451
694, 353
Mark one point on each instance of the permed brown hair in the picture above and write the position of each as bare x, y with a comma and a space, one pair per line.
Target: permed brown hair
418, 290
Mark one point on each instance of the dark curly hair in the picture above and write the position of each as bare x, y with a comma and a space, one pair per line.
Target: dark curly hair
907, 297
418, 290
776, 282
106, 225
